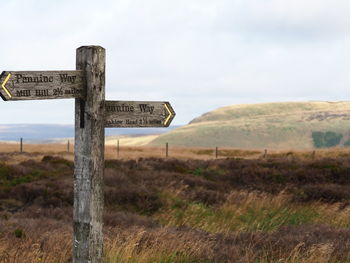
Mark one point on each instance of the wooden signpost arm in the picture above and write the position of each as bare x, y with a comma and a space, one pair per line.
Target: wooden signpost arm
89, 158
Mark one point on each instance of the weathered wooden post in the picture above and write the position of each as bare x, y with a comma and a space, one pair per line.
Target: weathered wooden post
21, 145
89, 158
216, 152
265, 153
166, 150
68, 146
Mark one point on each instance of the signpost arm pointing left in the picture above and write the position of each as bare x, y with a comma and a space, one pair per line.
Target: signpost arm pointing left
89, 158
4, 87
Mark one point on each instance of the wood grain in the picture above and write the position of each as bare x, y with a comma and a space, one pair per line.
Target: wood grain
40, 85
89, 158
138, 114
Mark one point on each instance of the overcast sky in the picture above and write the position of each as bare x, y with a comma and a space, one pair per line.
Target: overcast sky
197, 54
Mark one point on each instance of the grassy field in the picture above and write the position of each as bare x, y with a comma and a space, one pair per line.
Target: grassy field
130, 140
242, 207
267, 125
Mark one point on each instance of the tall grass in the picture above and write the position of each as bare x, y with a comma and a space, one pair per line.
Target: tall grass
243, 211
174, 210
159, 246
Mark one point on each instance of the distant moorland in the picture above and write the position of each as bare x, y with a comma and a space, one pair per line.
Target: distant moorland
283, 125
39, 133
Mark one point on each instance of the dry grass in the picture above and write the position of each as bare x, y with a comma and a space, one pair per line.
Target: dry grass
251, 211
160, 245
49, 241
130, 140
35, 241
37, 151
245, 209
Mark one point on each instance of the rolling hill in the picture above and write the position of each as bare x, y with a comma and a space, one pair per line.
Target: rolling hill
280, 125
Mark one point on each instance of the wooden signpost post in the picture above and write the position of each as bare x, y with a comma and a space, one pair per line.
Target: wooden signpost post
92, 115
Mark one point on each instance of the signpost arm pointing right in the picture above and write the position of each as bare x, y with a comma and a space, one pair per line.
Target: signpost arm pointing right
89, 158
170, 116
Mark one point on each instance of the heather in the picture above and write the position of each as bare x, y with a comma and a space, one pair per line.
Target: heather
282, 208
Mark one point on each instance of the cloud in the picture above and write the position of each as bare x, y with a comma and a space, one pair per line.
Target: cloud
198, 54
282, 18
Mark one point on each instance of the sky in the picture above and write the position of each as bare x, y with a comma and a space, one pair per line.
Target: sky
197, 54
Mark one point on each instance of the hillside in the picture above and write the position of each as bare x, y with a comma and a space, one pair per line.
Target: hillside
284, 125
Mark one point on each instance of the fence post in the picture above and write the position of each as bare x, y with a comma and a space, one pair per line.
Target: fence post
265, 153
68, 146
118, 149
216, 152
89, 158
21, 145
166, 150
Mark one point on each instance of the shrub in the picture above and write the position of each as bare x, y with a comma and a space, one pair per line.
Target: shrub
326, 139
323, 192
19, 233
347, 143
